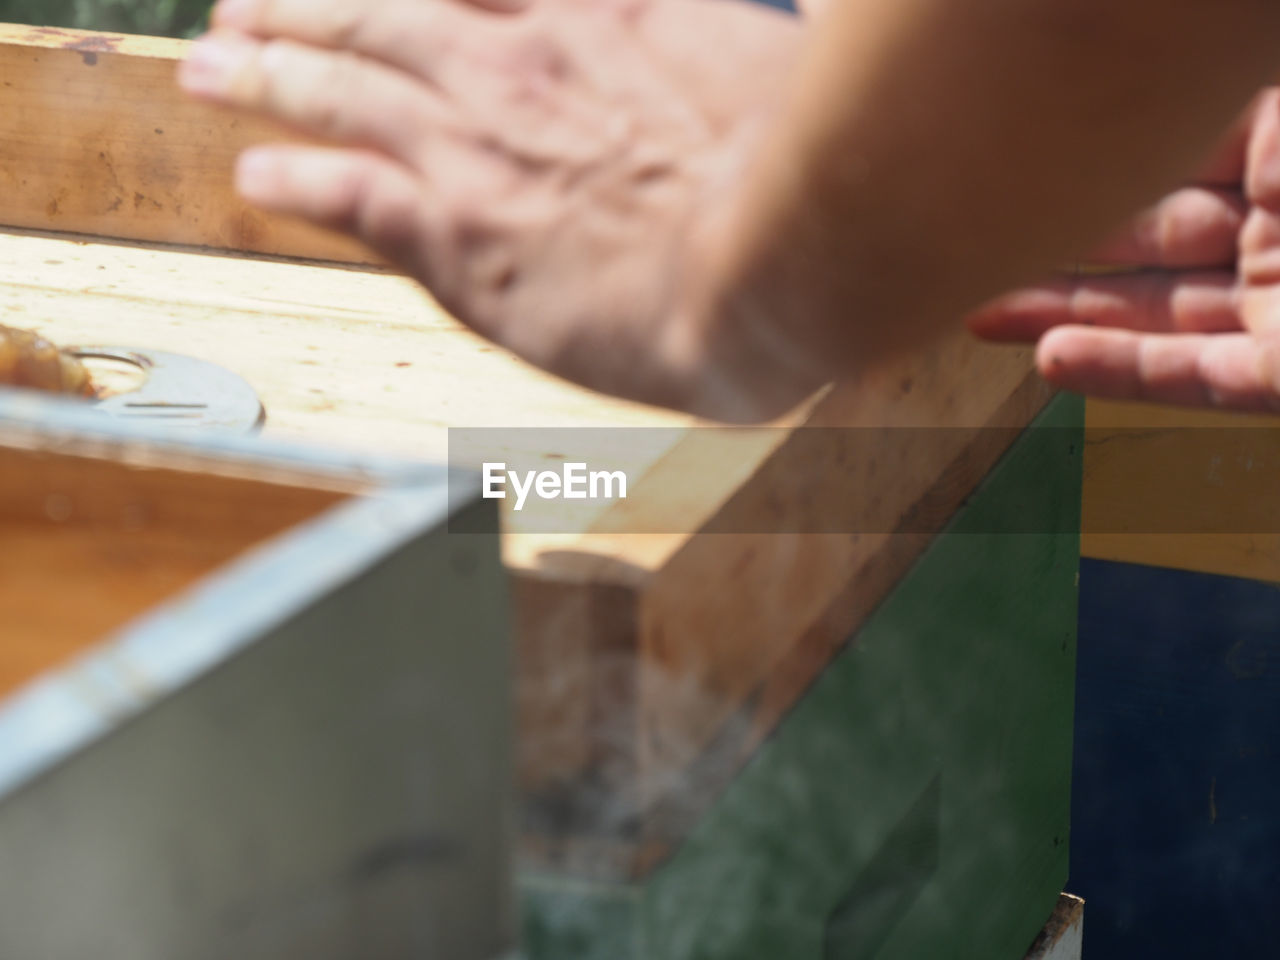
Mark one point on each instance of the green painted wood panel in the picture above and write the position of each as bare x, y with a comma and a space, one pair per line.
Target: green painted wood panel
915, 803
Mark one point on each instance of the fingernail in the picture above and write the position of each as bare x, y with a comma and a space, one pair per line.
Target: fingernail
234, 13
212, 65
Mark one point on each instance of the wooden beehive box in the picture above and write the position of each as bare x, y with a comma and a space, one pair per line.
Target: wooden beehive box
253, 702
663, 642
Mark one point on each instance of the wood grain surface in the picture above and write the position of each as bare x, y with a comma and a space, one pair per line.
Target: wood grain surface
96, 138
636, 648
645, 627
90, 544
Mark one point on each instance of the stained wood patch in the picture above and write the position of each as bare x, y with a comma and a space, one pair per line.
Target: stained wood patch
97, 138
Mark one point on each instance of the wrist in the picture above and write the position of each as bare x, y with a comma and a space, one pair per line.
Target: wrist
730, 340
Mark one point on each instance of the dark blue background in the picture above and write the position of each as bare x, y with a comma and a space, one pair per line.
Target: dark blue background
1176, 797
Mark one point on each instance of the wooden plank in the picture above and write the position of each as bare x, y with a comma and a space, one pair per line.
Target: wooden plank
825, 584
365, 360
97, 138
863, 826
1179, 464
629, 673
676, 665
704, 739
1063, 936
360, 360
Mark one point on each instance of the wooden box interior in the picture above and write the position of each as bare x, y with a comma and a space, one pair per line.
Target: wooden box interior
92, 543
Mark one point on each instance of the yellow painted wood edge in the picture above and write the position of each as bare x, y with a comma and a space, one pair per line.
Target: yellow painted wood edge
59, 38
1252, 556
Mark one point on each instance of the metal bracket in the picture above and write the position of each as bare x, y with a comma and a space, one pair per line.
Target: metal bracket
180, 390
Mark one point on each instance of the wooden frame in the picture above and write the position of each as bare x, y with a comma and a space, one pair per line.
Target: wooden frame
927, 768
99, 140
191, 776
636, 650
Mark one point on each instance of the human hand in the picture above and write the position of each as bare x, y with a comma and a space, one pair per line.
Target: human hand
546, 173
1200, 324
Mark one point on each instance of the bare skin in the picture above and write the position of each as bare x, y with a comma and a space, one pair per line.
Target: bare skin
1198, 322
541, 174
664, 199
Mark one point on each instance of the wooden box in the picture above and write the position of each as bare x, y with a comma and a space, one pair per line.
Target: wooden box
674, 650
914, 801
254, 702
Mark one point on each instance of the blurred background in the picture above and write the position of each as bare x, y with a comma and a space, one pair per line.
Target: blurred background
166, 18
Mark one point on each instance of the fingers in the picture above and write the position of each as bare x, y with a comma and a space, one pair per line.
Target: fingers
355, 192
1192, 228
1262, 184
409, 34
1148, 302
1260, 258
333, 96
1233, 372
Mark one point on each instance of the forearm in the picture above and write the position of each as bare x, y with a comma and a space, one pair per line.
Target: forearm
934, 153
